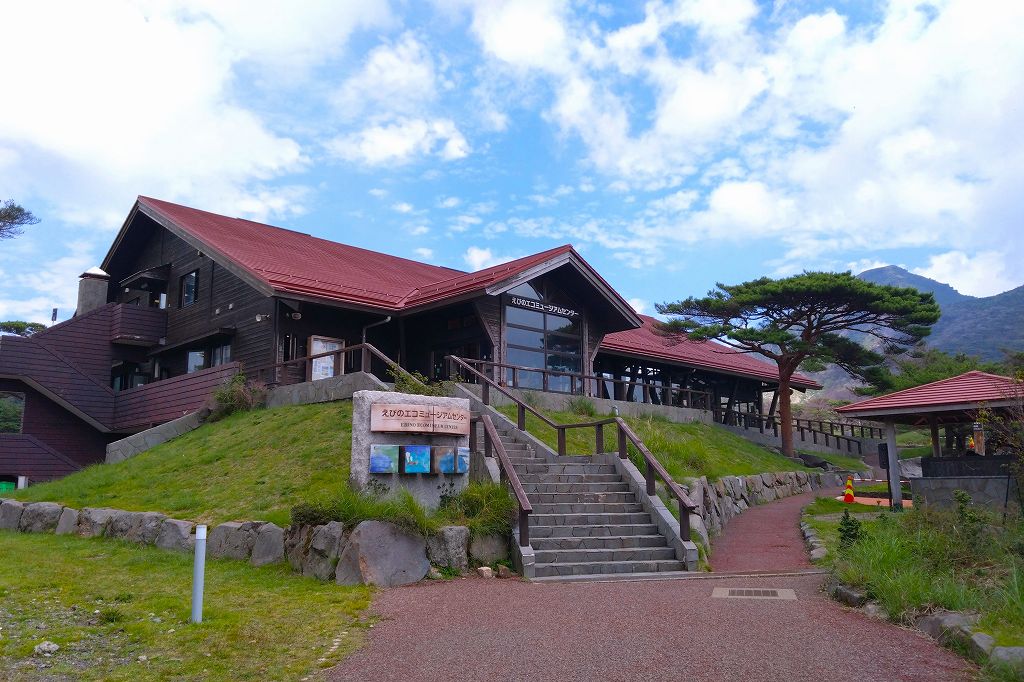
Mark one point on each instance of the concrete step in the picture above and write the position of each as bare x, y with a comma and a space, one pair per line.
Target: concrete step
588, 508
608, 567
543, 519
617, 577
582, 495
601, 555
565, 469
536, 477
538, 531
614, 487
607, 542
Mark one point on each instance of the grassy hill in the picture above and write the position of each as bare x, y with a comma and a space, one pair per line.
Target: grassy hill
685, 450
251, 465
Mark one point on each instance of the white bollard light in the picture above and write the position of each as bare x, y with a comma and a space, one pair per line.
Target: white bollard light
198, 574
22, 482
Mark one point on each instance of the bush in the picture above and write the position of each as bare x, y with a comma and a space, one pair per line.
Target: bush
416, 383
850, 530
582, 406
486, 508
238, 395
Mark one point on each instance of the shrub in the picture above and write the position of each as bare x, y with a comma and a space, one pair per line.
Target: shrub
110, 615
850, 530
581, 405
238, 395
416, 383
486, 508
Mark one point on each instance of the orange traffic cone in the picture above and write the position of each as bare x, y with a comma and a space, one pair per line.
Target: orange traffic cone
848, 493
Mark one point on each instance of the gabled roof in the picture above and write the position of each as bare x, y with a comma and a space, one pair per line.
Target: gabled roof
283, 262
963, 392
647, 342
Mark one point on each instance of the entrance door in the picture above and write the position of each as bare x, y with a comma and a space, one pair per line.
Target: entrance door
439, 369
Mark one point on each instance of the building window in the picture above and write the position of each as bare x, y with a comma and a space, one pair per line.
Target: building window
542, 331
12, 411
196, 361
221, 355
189, 289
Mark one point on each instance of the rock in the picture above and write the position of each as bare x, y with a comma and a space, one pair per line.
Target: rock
68, 522
40, 517
698, 531
980, 645
485, 572
46, 649
269, 546
504, 571
875, 610
145, 528
176, 536
488, 549
449, 548
818, 553
1010, 656
296, 545
121, 523
849, 596
325, 546
233, 540
943, 626
379, 553
10, 514
92, 522
434, 574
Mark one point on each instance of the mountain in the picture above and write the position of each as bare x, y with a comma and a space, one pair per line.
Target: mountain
981, 326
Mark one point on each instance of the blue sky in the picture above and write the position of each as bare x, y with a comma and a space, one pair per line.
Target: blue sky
675, 144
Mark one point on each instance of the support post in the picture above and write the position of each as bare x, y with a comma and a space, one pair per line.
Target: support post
521, 417
894, 466
684, 522
561, 442
623, 450
198, 574
936, 448
599, 439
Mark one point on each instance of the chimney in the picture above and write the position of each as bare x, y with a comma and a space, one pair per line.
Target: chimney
92, 290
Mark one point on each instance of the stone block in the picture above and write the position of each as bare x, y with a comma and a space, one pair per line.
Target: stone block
379, 553
10, 514
325, 544
980, 645
485, 572
488, 549
1009, 656
818, 553
40, 517
849, 596
945, 626
145, 528
233, 540
92, 522
296, 545
450, 547
269, 546
120, 523
68, 522
176, 536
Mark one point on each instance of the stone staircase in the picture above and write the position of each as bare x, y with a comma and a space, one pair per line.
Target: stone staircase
586, 521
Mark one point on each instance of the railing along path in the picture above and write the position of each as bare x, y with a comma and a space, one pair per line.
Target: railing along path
508, 472
271, 375
763, 423
625, 437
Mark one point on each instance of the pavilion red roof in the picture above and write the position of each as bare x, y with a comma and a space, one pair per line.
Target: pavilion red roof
970, 388
646, 341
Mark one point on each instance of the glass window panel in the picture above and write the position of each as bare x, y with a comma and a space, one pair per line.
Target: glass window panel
527, 290
563, 344
563, 363
526, 379
196, 361
527, 318
564, 325
221, 355
525, 358
559, 383
12, 411
189, 288
526, 337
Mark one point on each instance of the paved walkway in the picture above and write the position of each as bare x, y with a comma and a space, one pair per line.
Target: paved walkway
512, 630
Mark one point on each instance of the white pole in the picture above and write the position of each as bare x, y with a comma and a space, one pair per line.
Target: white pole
198, 574
22, 482
894, 466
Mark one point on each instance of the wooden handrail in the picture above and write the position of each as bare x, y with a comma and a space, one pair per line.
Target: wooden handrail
743, 419
367, 352
694, 399
625, 436
509, 474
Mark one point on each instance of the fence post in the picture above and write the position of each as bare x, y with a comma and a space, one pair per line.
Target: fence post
485, 393
472, 435
487, 447
561, 442
623, 450
684, 522
650, 479
524, 529
365, 360
521, 417
599, 439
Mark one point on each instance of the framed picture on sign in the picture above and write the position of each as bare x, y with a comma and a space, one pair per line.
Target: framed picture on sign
327, 367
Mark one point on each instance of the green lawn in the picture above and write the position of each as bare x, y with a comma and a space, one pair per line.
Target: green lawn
107, 603
685, 450
249, 466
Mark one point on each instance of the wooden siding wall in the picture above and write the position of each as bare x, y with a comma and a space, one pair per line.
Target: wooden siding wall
55, 427
142, 407
84, 341
150, 324
24, 455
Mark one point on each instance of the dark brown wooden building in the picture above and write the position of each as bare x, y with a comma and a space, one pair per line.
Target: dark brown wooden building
186, 298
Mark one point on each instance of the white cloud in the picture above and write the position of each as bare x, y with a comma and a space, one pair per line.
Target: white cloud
55, 285
419, 230
523, 33
639, 305
449, 202
402, 207
401, 142
378, 193
424, 253
397, 78
982, 274
478, 259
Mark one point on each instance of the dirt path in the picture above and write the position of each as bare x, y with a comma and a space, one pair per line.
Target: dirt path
512, 630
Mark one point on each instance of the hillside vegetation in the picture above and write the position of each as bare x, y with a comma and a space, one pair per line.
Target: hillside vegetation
685, 450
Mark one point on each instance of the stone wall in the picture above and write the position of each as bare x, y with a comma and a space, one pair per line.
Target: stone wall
985, 491
721, 501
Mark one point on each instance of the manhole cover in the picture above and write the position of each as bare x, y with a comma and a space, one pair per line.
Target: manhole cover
752, 593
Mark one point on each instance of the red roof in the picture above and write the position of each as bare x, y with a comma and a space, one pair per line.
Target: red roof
646, 341
970, 388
